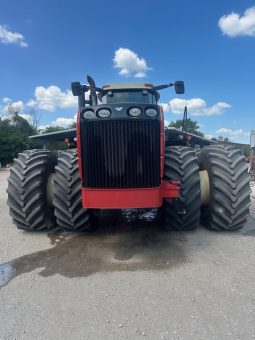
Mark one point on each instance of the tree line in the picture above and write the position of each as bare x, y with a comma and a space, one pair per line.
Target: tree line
193, 127
15, 130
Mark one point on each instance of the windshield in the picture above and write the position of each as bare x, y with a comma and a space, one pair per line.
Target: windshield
130, 96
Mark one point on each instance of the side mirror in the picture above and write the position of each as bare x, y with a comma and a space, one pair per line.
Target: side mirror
76, 88
179, 87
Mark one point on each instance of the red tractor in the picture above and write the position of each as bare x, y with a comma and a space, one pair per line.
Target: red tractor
120, 159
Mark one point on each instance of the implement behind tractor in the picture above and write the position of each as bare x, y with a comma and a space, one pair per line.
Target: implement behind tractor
120, 159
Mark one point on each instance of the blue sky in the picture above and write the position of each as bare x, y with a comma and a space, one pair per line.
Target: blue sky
45, 45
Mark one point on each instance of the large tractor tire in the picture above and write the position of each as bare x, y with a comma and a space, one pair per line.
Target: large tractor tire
28, 199
70, 214
228, 200
181, 165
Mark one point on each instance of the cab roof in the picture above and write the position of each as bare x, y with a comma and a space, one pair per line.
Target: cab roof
122, 86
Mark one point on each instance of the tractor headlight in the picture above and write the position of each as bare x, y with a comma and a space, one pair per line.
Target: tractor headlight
151, 112
104, 113
135, 112
88, 114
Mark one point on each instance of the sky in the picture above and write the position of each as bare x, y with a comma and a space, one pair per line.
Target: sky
210, 45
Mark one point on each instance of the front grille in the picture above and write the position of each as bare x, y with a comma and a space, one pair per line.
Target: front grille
121, 154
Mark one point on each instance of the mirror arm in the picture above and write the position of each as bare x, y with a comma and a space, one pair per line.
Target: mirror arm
161, 87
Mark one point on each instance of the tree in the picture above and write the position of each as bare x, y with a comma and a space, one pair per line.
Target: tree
191, 125
72, 126
226, 140
33, 119
14, 133
61, 145
50, 129
221, 139
12, 109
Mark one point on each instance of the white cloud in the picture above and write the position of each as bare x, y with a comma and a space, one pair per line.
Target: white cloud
166, 107
42, 127
230, 132
140, 74
129, 63
25, 116
44, 101
216, 109
196, 107
51, 98
8, 37
166, 123
223, 130
31, 103
6, 100
195, 104
209, 136
10, 108
48, 99
17, 106
62, 122
235, 24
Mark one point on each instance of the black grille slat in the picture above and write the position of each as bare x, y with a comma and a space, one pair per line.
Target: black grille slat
121, 153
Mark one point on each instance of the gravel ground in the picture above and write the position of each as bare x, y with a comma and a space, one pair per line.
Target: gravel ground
129, 280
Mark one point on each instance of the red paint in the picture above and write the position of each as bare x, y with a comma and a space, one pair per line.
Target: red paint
129, 198
170, 189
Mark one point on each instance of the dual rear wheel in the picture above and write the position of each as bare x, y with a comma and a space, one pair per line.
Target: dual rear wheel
34, 204
214, 190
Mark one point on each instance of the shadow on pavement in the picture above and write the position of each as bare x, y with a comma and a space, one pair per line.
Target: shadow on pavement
128, 240
124, 241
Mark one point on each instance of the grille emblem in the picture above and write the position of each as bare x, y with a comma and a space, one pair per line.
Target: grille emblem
119, 108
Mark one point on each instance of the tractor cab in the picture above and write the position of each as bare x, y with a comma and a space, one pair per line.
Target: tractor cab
142, 93
128, 93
